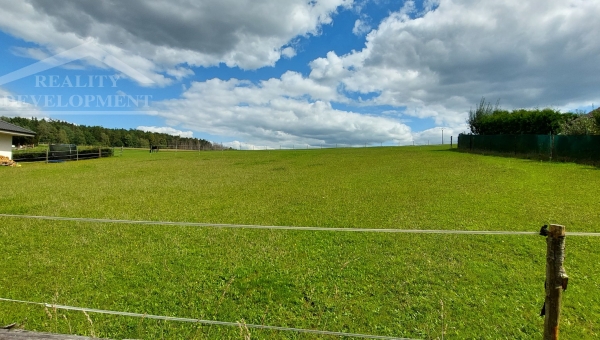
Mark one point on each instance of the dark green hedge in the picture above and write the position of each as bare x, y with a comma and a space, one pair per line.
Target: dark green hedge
29, 156
489, 120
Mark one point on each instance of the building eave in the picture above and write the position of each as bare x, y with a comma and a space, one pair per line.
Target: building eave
18, 134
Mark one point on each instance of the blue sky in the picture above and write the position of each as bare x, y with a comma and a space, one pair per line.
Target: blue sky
297, 72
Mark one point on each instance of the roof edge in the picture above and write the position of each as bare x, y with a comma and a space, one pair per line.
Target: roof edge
15, 130
14, 133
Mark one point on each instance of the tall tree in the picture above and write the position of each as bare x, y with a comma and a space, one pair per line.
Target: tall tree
56, 131
63, 138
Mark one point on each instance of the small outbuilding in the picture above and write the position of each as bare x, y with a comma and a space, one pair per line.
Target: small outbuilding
7, 131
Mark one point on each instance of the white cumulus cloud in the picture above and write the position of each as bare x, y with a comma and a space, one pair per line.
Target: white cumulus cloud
160, 37
360, 27
431, 63
12, 106
166, 129
288, 52
289, 110
439, 63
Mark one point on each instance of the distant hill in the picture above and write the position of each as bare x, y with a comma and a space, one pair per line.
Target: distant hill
56, 131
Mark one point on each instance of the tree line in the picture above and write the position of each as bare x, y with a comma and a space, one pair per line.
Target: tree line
61, 132
488, 119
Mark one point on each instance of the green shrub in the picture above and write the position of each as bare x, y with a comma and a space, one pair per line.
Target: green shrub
31, 156
477, 118
596, 115
582, 125
491, 120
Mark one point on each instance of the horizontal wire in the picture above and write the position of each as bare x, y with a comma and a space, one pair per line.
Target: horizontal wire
244, 226
206, 322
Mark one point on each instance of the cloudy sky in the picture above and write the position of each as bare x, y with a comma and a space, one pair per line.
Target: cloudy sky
284, 72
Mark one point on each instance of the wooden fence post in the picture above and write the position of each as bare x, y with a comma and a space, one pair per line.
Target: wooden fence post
556, 280
47, 149
99, 152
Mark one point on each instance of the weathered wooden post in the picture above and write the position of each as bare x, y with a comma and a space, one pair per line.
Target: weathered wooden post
47, 149
556, 279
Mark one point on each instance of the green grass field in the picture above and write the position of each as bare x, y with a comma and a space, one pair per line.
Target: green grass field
491, 286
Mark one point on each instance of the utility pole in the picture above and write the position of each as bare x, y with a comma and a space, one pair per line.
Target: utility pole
442, 136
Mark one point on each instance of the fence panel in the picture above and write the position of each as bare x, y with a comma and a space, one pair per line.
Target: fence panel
539, 145
577, 147
584, 148
464, 141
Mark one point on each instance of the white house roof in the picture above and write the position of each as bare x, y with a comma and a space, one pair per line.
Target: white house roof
14, 130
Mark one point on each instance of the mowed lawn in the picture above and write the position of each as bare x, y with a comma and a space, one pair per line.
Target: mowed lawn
491, 286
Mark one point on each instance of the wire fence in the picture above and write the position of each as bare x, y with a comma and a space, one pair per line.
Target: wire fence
57, 155
217, 225
329, 229
252, 147
214, 146
49, 155
205, 322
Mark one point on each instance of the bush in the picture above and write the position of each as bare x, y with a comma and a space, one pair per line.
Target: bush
596, 115
582, 125
31, 156
491, 120
477, 118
